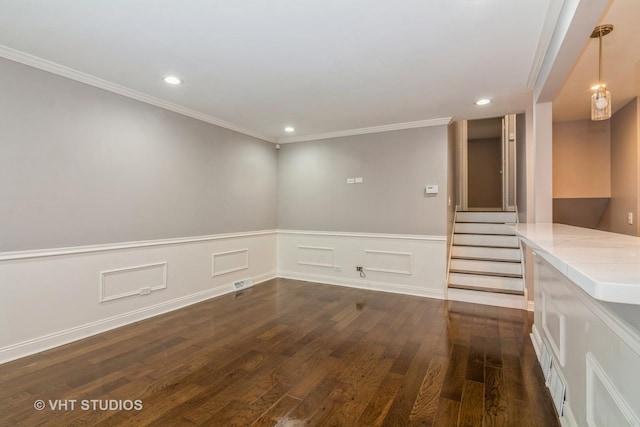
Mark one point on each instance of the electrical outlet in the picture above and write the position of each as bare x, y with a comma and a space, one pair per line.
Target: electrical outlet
358, 268
630, 218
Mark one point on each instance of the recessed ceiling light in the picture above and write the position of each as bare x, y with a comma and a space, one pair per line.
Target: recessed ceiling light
289, 129
172, 80
483, 101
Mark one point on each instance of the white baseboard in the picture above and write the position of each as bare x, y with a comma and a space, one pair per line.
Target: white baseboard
567, 419
536, 340
528, 302
50, 341
363, 284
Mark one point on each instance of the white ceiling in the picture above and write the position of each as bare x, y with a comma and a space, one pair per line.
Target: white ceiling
621, 62
318, 65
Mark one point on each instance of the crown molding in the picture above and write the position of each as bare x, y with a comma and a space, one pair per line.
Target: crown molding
79, 76
362, 131
70, 73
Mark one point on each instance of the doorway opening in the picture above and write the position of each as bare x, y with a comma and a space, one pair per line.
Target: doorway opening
484, 163
488, 164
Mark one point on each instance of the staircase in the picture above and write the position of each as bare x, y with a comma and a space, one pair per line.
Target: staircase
486, 261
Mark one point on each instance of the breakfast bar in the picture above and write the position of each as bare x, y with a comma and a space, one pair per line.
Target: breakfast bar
586, 330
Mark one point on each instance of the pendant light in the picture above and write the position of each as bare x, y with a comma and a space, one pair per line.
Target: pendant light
601, 97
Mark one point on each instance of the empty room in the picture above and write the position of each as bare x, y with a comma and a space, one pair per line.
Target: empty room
319, 213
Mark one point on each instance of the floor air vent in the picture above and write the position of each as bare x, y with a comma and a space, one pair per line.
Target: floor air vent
553, 379
558, 390
243, 284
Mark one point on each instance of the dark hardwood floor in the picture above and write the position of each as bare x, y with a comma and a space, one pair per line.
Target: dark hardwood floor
292, 353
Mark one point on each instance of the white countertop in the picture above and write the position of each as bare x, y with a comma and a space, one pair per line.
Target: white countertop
605, 265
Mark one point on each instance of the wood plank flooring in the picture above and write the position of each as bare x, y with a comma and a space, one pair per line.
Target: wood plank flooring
291, 353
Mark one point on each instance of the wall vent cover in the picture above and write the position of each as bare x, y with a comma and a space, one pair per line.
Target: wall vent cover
243, 284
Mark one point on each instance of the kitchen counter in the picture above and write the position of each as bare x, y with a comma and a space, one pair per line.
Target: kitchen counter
605, 265
586, 330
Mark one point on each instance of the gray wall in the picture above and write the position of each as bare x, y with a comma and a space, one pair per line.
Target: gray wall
624, 172
580, 212
80, 165
313, 193
582, 159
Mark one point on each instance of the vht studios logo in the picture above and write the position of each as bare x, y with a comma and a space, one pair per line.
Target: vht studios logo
88, 405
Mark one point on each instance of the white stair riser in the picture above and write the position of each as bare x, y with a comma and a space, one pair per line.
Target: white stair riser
485, 240
479, 228
502, 217
487, 282
502, 254
488, 298
492, 267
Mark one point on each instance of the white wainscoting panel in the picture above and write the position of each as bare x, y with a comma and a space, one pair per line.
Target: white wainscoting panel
414, 265
316, 256
605, 405
129, 281
388, 262
601, 351
50, 298
554, 324
229, 261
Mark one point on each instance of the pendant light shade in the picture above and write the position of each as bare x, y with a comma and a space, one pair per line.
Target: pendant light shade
601, 104
601, 97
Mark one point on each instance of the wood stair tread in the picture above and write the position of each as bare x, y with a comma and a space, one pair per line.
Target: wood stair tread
485, 259
483, 222
489, 247
482, 273
457, 233
483, 289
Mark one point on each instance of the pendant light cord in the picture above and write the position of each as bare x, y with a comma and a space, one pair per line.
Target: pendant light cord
600, 31
600, 59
